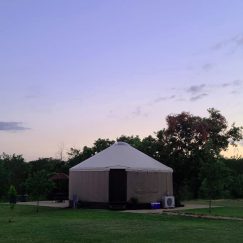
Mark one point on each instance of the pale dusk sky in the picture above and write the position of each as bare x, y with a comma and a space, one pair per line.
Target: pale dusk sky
73, 71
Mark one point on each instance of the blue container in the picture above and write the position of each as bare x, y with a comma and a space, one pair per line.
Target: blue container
155, 205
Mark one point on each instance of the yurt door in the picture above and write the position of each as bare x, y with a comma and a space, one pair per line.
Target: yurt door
117, 185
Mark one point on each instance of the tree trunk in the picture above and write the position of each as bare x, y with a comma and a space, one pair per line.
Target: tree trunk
37, 205
210, 206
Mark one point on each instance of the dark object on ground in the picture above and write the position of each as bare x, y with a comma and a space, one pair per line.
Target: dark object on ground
59, 196
178, 202
22, 198
60, 190
13, 200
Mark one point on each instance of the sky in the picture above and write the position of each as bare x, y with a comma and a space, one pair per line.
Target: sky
73, 71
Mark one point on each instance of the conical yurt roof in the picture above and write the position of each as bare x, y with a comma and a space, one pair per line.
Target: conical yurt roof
121, 155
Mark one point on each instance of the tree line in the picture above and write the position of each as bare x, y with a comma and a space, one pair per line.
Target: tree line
190, 145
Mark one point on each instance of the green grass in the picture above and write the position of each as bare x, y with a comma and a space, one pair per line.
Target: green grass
67, 225
228, 208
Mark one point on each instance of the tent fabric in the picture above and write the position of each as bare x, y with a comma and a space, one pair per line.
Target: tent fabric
121, 155
93, 186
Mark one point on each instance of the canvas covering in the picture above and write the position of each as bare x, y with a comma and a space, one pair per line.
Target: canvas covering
147, 179
121, 156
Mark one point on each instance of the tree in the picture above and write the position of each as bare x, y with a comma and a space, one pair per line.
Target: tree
76, 156
16, 170
235, 165
215, 180
39, 185
101, 144
49, 165
61, 152
3, 179
134, 141
190, 141
149, 146
12, 195
237, 186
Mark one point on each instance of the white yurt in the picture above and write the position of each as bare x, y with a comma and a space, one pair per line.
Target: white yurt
120, 174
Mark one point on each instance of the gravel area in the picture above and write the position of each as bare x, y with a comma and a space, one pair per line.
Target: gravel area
52, 204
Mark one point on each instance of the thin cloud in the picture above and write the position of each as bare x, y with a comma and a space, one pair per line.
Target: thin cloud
32, 96
138, 112
207, 67
196, 88
160, 99
198, 97
12, 126
196, 92
236, 41
111, 114
235, 83
219, 45
225, 85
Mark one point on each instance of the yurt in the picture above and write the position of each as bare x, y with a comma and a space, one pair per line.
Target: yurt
120, 174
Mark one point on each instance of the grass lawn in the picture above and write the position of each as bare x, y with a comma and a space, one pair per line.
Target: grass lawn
67, 225
229, 208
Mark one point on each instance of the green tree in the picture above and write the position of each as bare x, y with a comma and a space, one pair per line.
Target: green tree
38, 186
3, 179
149, 146
15, 168
134, 141
49, 165
101, 144
190, 141
12, 195
215, 180
76, 156
235, 165
237, 186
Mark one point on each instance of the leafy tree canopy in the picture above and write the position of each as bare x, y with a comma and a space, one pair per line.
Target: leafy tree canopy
39, 185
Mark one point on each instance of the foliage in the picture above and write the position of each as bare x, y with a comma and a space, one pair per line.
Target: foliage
215, 180
12, 195
39, 185
237, 186
134, 141
3, 179
189, 142
49, 165
235, 165
14, 170
76, 156
101, 144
